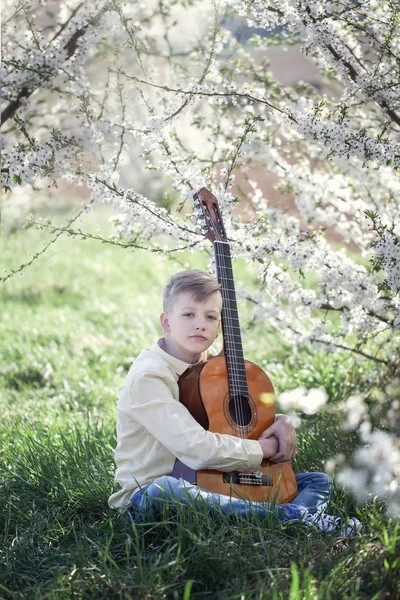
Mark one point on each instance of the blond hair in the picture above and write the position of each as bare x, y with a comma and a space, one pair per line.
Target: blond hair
199, 283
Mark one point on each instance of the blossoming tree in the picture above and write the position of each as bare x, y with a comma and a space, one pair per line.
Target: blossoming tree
95, 91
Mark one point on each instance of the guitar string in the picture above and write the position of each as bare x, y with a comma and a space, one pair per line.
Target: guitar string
235, 359
233, 384
235, 352
231, 335
234, 338
236, 376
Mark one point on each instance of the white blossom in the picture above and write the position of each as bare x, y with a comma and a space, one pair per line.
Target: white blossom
376, 470
307, 401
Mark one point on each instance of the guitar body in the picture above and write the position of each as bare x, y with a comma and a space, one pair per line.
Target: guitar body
204, 390
228, 394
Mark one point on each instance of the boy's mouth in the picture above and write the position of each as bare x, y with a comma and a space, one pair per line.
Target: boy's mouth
198, 337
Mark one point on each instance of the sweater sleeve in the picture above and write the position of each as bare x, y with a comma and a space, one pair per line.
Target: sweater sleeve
152, 404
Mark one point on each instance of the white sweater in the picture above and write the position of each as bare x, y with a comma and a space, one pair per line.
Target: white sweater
154, 428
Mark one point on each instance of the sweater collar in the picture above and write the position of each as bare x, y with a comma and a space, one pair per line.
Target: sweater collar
178, 366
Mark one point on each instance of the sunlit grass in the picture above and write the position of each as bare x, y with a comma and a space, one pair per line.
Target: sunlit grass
69, 331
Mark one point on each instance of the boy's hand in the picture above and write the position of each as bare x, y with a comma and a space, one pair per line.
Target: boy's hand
284, 430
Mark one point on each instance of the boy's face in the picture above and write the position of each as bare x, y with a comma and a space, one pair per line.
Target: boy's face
190, 327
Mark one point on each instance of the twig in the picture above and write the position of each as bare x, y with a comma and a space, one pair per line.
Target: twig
46, 246
209, 94
88, 236
206, 68
370, 313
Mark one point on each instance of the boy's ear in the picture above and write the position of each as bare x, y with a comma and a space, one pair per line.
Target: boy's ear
164, 321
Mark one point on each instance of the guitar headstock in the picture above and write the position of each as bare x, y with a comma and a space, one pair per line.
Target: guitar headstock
209, 215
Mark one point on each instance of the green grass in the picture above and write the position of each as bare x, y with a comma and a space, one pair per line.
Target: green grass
69, 330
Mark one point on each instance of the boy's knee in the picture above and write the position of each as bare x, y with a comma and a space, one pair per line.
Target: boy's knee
161, 485
328, 479
315, 480
322, 479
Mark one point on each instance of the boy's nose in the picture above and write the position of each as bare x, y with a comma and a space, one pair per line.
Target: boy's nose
201, 325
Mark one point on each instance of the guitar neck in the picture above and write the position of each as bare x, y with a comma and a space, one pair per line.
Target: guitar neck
230, 320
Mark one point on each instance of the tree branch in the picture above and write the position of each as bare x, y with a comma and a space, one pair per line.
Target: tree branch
26, 92
353, 73
328, 343
354, 350
208, 94
370, 313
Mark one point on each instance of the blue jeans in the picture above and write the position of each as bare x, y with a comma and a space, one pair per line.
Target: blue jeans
312, 497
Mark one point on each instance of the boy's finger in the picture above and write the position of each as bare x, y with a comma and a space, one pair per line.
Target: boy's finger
268, 432
279, 457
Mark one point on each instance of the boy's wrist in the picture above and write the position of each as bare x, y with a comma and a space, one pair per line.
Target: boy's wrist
269, 446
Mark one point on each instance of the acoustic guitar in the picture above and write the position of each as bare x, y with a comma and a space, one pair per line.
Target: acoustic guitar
228, 394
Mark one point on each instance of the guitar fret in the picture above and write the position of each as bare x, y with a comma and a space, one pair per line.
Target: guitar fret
231, 358
231, 341
233, 364
239, 379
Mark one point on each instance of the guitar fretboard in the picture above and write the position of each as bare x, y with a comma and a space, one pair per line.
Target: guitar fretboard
230, 321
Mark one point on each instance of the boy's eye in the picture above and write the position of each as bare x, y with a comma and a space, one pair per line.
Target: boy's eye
212, 317
188, 315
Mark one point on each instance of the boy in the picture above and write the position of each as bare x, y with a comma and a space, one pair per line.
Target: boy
154, 428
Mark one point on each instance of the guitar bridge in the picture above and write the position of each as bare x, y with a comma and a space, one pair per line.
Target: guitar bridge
257, 479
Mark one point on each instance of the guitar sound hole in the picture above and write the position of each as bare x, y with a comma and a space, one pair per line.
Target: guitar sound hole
240, 410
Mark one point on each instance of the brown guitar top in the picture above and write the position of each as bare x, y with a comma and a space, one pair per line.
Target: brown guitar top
204, 390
